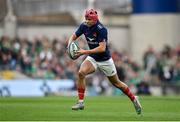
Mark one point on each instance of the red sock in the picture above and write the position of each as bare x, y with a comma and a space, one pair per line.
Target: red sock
81, 93
129, 93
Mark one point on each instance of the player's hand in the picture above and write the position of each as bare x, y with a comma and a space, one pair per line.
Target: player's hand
80, 52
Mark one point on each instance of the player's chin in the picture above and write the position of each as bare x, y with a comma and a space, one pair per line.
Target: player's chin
88, 24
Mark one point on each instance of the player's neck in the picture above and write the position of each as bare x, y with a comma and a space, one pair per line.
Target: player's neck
93, 24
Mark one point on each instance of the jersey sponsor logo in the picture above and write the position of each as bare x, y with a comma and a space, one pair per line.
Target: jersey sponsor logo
95, 43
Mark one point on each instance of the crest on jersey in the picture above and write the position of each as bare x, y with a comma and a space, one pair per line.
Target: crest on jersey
94, 34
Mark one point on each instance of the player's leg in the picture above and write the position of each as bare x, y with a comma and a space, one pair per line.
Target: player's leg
123, 87
109, 69
85, 69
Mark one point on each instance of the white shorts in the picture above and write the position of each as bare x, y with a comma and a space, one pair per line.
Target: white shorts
107, 67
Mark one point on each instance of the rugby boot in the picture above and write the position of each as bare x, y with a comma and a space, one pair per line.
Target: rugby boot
137, 105
78, 106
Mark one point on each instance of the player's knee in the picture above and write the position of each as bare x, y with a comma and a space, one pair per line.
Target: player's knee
81, 74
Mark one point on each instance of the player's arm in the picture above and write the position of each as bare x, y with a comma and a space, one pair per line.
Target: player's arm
72, 38
101, 48
75, 35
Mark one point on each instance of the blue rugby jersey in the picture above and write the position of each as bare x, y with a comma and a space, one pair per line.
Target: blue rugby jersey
94, 35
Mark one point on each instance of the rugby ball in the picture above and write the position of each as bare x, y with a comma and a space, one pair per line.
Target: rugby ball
72, 48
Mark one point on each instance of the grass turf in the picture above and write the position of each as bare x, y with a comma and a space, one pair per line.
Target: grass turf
96, 108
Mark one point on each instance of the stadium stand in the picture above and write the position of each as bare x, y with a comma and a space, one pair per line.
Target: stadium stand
46, 59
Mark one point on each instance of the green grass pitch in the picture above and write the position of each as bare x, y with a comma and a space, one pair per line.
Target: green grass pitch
114, 108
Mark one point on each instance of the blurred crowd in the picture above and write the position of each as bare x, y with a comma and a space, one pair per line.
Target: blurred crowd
162, 66
38, 58
47, 59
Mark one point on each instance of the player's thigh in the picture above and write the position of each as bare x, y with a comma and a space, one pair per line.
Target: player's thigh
107, 67
86, 67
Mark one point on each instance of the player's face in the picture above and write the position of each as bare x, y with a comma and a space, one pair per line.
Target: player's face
89, 22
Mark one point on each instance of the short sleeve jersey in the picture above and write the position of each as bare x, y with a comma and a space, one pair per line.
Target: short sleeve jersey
94, 35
